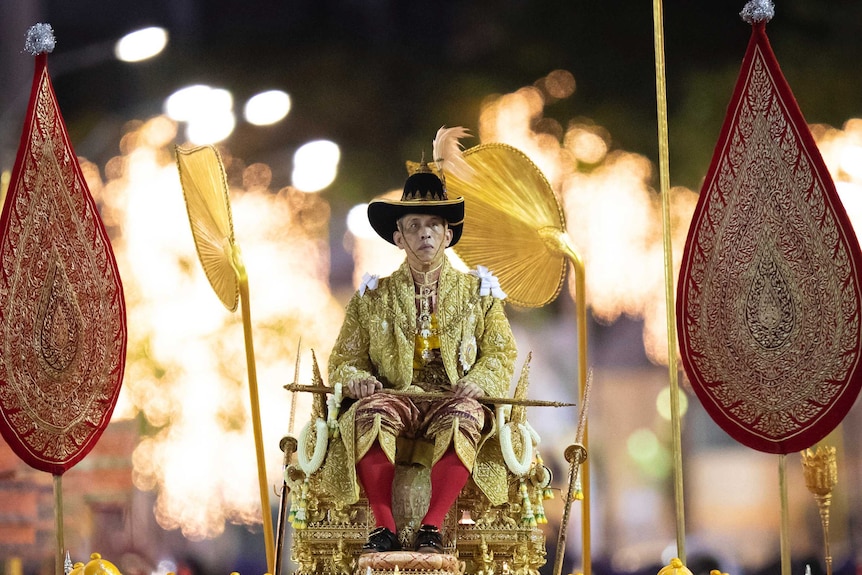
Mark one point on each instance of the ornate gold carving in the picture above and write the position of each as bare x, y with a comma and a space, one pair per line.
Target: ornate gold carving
332, 541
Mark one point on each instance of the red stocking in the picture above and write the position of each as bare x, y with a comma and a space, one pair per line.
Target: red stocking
376, 473
448, 477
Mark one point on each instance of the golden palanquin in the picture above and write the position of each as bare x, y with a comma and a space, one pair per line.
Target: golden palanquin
483, 538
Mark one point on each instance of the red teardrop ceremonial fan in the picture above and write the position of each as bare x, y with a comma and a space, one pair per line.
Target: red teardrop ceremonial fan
62, 312
768, 304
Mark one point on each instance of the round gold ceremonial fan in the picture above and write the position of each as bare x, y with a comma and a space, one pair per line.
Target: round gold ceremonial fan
208, 203
513, 224
515, 227
206, 193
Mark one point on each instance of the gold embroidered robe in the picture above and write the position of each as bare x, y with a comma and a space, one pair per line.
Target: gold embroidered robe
377, 339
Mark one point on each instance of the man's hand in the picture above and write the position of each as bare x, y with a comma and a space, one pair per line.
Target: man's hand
359, 388
466, 389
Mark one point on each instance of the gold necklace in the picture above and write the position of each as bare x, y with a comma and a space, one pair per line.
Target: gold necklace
426, 291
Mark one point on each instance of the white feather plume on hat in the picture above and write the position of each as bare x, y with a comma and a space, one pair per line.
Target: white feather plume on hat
448, 152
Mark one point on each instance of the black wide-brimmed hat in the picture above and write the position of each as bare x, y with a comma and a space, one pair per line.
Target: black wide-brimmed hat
424, 193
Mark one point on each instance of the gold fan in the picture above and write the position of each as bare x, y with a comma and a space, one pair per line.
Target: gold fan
515, 227
206, 193
513, 224
208, 203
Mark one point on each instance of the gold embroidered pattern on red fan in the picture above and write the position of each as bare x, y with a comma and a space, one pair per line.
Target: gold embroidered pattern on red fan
62, 312
768, 306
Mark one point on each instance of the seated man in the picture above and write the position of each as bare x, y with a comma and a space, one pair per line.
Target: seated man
426, 328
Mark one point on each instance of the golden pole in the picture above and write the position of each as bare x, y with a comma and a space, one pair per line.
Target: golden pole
581, 307
58, 523
242, 277
785, 515
664, 179
559, 240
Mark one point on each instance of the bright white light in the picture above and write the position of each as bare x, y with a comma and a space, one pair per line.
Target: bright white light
211, 129
267, 107
357, 222
315, 165
141, 44
208, 112
182, 104
851, 161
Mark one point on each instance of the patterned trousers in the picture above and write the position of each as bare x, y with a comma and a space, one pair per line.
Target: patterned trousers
435, 423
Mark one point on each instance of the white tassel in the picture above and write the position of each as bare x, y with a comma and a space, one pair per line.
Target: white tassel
489, 285
758, 11
448, 152
369, 282
40, 38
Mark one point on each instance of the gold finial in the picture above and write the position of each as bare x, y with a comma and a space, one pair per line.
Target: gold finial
99, 566
675, 567
820, 469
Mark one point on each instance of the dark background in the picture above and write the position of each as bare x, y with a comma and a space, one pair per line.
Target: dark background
379, 77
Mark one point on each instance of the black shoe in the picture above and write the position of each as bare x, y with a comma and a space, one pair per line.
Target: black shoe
429, 540
381, 539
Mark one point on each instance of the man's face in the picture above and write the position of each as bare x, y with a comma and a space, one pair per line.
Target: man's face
423, 237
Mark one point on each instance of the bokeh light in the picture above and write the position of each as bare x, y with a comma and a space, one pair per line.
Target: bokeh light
646, 450
186, 372
662, 403
315, 165
207, 112
266, 108
357, 222
141, 44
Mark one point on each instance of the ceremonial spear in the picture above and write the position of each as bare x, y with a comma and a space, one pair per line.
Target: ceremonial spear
288, 446
323, 389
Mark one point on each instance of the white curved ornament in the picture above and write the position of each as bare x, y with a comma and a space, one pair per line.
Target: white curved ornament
311, 465
518, 466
